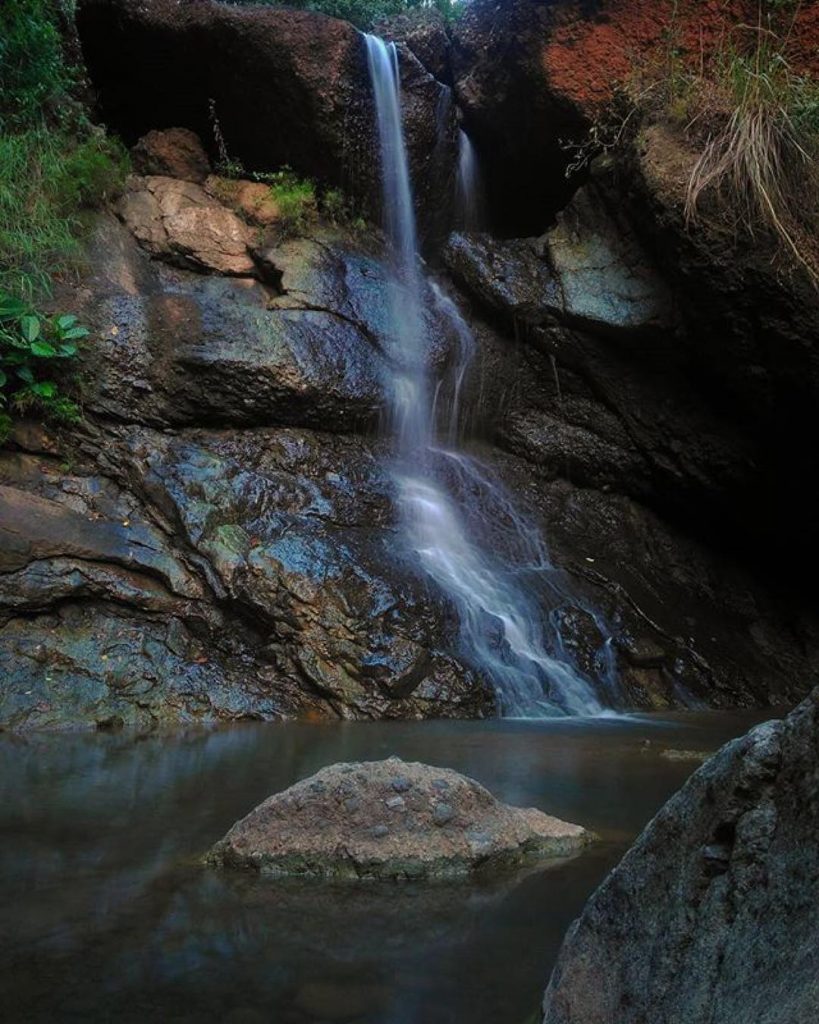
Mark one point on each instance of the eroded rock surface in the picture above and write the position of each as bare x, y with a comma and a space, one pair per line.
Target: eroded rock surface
219, 539
391, 819
210, 576
742, 355
710, 918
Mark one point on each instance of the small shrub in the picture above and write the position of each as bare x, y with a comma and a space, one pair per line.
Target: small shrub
752, 118
295, 198
226, 166
339, 209
33, 74
35, 353
334, 206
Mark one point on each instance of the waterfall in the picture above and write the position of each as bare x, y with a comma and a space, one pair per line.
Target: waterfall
448, 500
468, 187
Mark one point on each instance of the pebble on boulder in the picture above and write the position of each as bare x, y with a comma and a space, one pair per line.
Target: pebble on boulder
346, 821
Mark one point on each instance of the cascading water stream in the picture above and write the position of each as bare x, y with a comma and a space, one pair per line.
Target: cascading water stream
447, 499
469, 204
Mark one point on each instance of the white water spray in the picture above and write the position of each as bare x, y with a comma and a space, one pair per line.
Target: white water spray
447, 499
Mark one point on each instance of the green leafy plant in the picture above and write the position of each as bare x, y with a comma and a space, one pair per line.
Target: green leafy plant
36, 356
340, 210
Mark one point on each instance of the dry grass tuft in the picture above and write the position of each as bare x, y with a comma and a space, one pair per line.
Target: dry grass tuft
760, 158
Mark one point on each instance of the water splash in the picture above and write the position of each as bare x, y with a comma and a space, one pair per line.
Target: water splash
507, 606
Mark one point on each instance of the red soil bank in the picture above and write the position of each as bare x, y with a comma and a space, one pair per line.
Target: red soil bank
587, 57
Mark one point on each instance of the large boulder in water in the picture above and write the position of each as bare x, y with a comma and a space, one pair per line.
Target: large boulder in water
391, 819
711, 916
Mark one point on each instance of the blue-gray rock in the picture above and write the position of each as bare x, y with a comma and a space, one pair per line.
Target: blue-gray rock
588, 271
442, 814
711, 916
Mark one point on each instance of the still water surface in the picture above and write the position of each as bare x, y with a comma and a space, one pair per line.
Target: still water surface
105, 914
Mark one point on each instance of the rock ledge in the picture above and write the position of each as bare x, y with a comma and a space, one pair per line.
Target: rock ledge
390, 819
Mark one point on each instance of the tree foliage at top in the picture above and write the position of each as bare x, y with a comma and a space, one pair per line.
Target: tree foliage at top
364, 13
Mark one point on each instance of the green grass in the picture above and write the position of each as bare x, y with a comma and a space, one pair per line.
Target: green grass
295, 198
751, 117
53, 166
53, 163
47, 178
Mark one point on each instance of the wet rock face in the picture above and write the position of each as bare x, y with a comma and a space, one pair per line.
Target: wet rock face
390, 820
529, 75
614, 397
307, 345
710, 917
589, 271
205, 577
424, 32
285, 87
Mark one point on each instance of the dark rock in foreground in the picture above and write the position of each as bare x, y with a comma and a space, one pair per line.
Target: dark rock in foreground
391, 819
711, 917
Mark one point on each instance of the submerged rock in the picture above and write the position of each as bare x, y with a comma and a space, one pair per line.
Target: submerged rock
711, 916
391, 819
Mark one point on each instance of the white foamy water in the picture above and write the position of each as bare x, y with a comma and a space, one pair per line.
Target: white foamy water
506, 600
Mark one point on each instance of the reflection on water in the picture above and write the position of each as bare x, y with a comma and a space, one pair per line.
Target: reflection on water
106, 914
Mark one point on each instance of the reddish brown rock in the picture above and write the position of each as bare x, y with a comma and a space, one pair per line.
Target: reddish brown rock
180, 222
284, 87
252, 200
391, 819
173, 153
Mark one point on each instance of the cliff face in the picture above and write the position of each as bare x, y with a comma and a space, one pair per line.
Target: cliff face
532, 77
220, 538
710, 916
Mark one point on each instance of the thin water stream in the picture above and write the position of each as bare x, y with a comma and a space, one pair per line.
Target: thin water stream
469, 197
506, 600
107, 915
